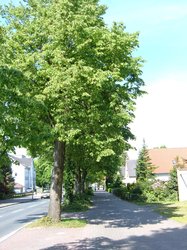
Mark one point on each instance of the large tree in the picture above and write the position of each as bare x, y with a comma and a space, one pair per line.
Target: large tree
82, 79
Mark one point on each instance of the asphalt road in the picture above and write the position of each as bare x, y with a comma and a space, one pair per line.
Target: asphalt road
16, 216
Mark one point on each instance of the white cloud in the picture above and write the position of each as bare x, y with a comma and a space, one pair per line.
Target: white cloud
161, 114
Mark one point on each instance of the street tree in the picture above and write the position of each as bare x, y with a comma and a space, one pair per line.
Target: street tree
82, 80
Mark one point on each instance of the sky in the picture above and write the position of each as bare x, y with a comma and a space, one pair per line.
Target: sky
161, 113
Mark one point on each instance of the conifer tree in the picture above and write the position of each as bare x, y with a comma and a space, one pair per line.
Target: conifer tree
144, 168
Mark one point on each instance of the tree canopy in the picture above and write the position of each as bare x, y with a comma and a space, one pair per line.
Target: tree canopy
79, 80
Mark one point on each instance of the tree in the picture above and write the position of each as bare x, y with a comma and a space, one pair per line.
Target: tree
6, 179
144, 167
43, 166
82, 80
172, 184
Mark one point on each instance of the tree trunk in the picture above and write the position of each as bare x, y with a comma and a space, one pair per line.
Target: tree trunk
54, 211
84, 174
78, 182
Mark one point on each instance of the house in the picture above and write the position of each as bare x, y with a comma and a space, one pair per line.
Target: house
24, 173
164, 159
128, 172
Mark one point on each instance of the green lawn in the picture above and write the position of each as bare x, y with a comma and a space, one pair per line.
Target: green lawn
176, 210
66, 223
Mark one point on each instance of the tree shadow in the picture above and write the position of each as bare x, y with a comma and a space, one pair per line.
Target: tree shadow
14, 201
114, 212
167, 239
31, 217
167, 209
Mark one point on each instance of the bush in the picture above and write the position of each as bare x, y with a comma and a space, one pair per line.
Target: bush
146, 192
89, 191
78, 204
121, 192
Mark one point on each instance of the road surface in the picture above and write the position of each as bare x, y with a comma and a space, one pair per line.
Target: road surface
16, 216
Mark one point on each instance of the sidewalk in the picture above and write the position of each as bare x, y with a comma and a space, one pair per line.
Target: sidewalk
112, 224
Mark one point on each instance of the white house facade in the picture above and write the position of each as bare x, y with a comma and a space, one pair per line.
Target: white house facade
24, 173
129, 172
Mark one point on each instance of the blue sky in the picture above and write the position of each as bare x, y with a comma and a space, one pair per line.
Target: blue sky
160, 115
162, 27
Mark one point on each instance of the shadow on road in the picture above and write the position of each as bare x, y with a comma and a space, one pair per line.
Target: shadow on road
166, 240
31, 217
13, 201
113, 212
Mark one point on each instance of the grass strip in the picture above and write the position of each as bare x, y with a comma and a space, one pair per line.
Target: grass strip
176, 210
64, 223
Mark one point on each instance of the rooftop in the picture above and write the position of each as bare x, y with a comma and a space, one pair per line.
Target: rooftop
164, 158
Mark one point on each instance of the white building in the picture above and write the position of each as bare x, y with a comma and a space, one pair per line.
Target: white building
129, 172
24, 173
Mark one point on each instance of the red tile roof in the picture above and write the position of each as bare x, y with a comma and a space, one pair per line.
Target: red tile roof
163, 158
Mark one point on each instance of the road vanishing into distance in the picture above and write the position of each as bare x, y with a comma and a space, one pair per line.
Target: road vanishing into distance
14, 217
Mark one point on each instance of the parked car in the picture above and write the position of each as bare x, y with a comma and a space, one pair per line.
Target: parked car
45, 194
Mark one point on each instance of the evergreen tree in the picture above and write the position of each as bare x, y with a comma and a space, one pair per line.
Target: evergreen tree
173, 182
144, 168
6, 180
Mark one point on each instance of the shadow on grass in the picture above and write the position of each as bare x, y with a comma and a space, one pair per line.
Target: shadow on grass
169, 210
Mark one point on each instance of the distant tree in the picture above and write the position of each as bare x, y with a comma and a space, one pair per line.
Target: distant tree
144, 167
173, 183
163, 146
6, 180
43, 167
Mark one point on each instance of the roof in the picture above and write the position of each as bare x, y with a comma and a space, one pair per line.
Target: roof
26, 162
164, 158
131, 168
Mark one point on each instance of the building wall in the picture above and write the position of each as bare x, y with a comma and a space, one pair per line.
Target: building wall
18, 172
129, 180
25, 176
182, 184
162, 177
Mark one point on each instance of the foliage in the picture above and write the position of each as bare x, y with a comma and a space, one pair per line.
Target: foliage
144, 168
78, 204
6, 181
77, 85
146, 192
43, 166
121, 192
172, 184
69, 184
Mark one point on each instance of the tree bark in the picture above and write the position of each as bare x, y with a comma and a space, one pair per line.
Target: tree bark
84, 174
78, 182
54, 211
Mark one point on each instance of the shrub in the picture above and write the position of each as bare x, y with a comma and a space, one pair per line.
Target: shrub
78, 204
